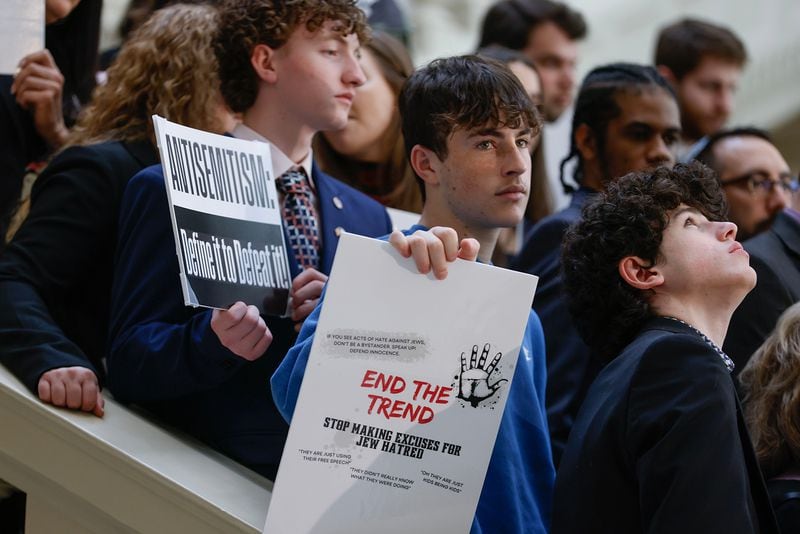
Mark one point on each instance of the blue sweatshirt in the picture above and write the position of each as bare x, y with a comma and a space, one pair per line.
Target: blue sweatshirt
518, 490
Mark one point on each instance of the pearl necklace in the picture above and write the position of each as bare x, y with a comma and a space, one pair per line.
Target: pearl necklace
725, 358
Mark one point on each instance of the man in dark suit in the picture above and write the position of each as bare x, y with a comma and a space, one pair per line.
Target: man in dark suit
208, 371
626, 119
653, 274
775, 256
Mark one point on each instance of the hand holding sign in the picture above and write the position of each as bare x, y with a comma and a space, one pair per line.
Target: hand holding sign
242, 330
306, 290
473, 383
434, 248
38, 87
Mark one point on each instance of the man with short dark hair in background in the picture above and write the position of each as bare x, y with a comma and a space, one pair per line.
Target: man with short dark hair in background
754, 176
762, 201
703, 62
547, 32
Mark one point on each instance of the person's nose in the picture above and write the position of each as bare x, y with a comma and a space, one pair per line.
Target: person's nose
725, 102
726, 230
517, 160
659, 153
567, 78
777, 198
353, 74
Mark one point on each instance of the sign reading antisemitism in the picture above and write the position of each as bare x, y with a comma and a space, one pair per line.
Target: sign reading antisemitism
402, 395
225, 218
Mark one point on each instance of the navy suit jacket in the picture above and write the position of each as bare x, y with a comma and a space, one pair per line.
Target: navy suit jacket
775, 256
164, 355
570, 367
660, 445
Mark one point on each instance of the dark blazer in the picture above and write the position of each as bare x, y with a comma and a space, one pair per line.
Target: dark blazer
775, 256
785, 496
660, 445
164, 355
55, 276
570, 368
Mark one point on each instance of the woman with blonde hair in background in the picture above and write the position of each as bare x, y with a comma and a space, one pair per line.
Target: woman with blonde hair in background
368, 153
771, 386
55, 275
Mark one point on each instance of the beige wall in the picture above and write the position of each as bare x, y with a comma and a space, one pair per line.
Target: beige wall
625, 30
769, 96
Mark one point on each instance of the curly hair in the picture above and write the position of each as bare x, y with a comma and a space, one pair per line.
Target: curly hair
771, 385
247, 23
628, 219
168, 68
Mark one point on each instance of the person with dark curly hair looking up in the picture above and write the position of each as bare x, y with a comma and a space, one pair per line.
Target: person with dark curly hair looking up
290, 69
626, 119
652, 274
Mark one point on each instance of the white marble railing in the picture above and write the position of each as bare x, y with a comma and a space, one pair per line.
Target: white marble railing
121, 473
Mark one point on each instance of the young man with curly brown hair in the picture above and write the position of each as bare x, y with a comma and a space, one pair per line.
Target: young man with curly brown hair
653, 274
290, 69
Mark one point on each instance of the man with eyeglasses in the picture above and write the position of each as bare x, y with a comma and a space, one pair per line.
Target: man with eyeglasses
760, 190
755, 177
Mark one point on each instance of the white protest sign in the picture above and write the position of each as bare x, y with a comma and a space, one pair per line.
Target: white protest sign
402, 396
226, 219
21, 32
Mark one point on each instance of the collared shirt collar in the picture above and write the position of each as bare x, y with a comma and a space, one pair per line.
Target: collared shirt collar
280, 161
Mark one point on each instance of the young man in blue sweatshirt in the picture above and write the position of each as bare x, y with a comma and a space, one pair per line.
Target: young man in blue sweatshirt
468, 125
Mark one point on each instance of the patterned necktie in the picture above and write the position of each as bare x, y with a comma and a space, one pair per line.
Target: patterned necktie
300, 216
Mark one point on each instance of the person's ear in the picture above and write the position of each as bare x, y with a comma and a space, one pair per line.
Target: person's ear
640, 274
668, 75
425, 163
586, 142
263, 61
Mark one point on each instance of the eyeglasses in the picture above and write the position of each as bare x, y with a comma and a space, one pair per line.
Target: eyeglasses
761, 183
